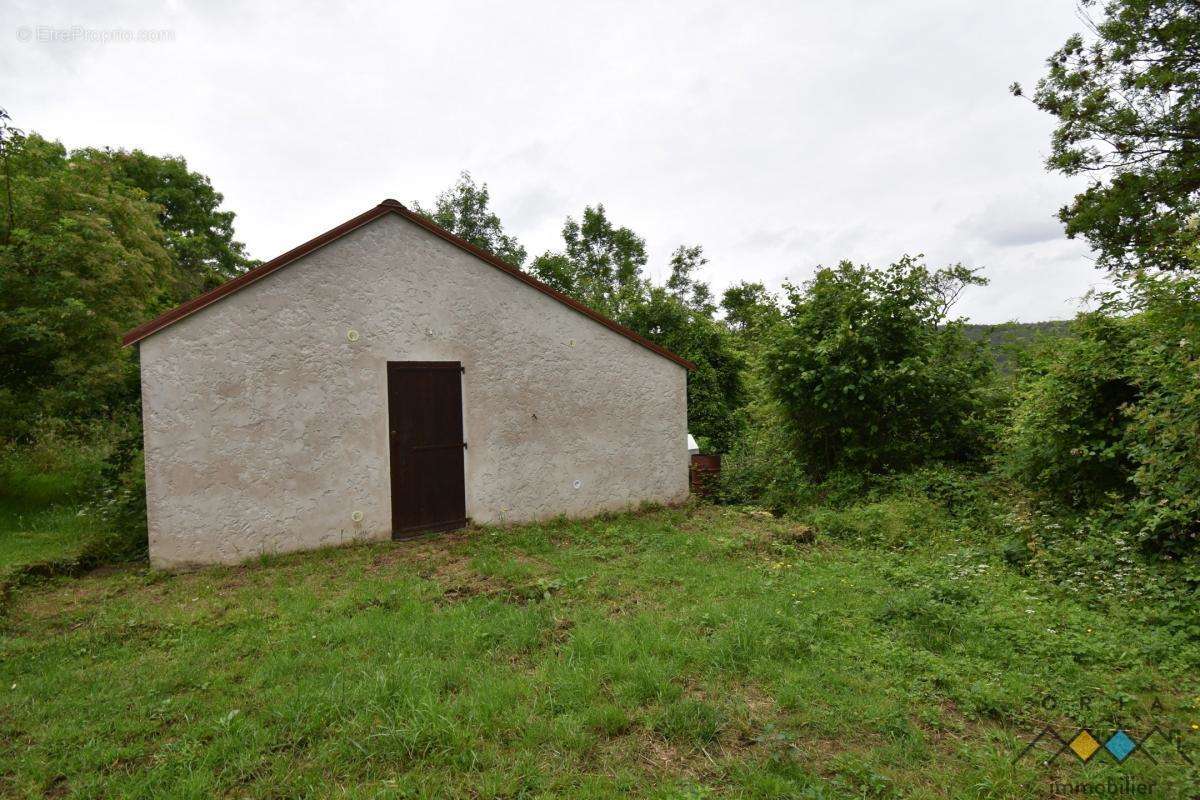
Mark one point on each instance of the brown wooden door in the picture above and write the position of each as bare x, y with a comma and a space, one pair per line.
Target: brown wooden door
426, 432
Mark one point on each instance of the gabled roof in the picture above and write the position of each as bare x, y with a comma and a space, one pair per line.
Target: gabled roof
383, 209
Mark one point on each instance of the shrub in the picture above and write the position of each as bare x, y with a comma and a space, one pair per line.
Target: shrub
870, 374
761, 469
121, 500
974, 498
85, 262
1162, 436
1110, 420
1065, 439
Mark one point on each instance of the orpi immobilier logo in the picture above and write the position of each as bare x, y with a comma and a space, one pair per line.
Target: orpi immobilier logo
1117, 743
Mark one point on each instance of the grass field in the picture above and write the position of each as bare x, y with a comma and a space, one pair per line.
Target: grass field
29, 536
701, 652
43, 514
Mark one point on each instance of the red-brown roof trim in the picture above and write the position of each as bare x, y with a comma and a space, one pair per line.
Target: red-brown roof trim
384, 208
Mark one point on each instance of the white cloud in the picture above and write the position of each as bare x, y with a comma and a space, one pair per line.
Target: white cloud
778, 135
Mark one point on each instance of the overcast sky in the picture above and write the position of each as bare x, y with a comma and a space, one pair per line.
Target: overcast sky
780, 136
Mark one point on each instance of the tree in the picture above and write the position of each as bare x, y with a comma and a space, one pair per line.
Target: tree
870, 374
198, 235
10, 140
683, 283
1128, 108
601, 265
464, 210
86, 261
750, 308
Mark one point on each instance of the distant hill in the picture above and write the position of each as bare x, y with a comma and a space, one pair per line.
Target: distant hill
1006, 337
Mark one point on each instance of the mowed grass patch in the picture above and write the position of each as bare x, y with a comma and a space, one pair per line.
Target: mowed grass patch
697, 652
32, 536
42, 493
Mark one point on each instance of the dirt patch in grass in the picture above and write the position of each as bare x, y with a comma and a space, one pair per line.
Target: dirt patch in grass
420, 550
663, 757
631, 605
444, 561
458, 580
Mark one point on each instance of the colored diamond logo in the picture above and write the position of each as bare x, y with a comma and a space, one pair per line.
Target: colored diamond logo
1120, 745
1084, 745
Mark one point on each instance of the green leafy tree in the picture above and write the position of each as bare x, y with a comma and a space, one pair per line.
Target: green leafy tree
85, 261
683, 282
197, 233
749, 308
871, 374
11, 139
464, 210
1128, 108
601, 265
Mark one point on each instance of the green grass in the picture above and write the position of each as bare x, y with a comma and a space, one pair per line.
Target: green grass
42, 490
54, 471
31, 536
688, 653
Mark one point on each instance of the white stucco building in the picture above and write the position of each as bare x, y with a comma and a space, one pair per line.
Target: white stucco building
388, 378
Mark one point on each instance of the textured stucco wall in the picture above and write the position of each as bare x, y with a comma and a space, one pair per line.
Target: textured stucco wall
266, 429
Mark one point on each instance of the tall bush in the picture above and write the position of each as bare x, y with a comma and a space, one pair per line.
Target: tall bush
1164, 427
1066, 435
871, 374
1109, 420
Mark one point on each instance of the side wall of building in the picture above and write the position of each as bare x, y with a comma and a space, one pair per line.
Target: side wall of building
266, 427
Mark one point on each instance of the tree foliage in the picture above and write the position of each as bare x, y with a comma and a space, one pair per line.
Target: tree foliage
95, 242
601, 265
86, 260
11, 138
464, 210
1128, 108
198, 235
1065, 436
683, 283
1109, 419
749, 308
870, 374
